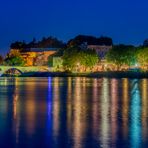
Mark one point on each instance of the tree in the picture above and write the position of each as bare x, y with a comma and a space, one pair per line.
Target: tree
89, 58
14, 53
122, 55
71, 58
90, 40
142, 56
50, 42
15, 61
45, 42
18, 45
76, 59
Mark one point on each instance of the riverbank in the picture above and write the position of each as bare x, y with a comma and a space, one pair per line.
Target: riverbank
108, 74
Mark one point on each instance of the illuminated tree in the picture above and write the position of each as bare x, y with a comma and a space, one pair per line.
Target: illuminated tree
15, 61
88, 58
71, 58
142, 56
14, 58
122, 55
75, 59
14, 53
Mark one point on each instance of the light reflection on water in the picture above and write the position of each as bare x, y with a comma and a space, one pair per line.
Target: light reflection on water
73, 112
105, 129
135, 107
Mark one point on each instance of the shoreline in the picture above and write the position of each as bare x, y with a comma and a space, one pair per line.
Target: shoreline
108, 74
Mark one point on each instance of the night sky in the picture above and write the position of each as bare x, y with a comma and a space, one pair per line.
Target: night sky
126, 21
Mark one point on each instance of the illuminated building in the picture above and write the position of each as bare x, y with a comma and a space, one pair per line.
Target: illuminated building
34, 56
101, 50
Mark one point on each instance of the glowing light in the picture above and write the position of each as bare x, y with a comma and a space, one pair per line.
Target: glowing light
136, 65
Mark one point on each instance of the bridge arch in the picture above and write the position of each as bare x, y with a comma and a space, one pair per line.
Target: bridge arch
12, 71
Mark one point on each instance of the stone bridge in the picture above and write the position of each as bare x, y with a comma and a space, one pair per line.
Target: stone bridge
5, 69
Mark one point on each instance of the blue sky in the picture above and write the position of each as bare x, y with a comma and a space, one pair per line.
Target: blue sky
123, 20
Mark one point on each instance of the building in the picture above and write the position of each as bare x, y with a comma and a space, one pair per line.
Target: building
34, 56
101, 50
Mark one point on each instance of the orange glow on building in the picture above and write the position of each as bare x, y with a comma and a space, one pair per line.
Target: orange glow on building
34, 56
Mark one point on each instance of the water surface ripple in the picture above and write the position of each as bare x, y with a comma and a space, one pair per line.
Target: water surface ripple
73, 113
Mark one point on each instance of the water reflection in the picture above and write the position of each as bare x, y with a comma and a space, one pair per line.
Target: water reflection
56, 106
114, 109
135, 111
79, 124
73, 112
30, 109
144, 108
105, 129
95, 108
16, 116
69, 106
125, 106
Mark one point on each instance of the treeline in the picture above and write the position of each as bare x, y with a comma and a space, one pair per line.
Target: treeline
52, 42
76, 58
119, 57
126, 56
49, 42
90, 40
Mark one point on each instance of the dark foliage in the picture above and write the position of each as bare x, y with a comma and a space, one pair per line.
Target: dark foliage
145, 43
49, 42
1, 59
90, 40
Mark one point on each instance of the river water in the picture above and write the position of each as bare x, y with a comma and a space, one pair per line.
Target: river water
73, 112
